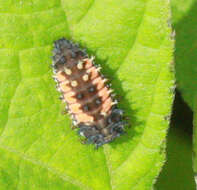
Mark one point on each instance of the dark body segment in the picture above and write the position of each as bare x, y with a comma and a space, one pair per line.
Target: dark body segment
86, 94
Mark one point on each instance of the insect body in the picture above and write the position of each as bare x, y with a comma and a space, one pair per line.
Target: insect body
88, 98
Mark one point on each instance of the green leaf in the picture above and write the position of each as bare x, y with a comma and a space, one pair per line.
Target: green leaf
184, 22
177, 172
131, 40
195, 140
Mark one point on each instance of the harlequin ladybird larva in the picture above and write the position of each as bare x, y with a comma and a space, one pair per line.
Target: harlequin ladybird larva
87, 96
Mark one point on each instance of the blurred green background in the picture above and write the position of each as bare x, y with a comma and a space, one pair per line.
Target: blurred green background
177, 173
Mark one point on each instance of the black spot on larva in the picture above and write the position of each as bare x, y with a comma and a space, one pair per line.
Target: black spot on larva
61, 97
62, 60
98, 101
79, 96
91, 89
86, 108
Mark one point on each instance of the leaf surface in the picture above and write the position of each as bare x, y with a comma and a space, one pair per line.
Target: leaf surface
131, 41
195, 141
177, 172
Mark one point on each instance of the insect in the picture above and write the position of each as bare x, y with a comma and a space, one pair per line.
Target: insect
88, 98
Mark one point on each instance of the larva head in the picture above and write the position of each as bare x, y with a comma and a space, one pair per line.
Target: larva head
65, 52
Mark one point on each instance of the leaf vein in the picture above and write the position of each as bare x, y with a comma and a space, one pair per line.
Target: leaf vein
88, 9
54, 171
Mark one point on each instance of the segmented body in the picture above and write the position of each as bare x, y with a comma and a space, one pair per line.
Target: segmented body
86, 94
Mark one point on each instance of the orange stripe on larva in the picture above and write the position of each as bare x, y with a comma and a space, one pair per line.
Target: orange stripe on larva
88, 64
86, 94
60, 76
84, 118
98, 82
107, 105
69, 97
104, 92
93, 73
75, 108
65, 87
